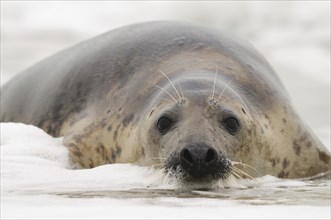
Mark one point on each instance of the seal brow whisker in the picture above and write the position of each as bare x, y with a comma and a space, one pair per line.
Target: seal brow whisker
166, 100
224, 89
167, 93
181, 90
227, 100
239, 97
165, 75
213, 91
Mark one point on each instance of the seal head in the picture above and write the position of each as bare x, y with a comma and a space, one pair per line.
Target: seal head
197, 129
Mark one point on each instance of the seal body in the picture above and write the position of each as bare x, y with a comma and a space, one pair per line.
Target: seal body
176, 95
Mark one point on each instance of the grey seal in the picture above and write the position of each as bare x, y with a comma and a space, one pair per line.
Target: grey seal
174, 95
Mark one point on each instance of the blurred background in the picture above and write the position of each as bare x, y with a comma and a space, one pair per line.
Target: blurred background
294, 36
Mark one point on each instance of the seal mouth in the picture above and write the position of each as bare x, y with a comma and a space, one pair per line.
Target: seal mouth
184, 181
198, 163
184, 176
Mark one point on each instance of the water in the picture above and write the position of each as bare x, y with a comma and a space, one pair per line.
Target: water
279, 192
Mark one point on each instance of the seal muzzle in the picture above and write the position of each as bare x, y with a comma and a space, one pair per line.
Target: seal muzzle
200, 161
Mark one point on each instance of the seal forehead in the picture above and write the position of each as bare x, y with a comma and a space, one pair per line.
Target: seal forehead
199, 89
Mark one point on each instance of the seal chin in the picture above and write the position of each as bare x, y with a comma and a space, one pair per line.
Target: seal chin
198, 163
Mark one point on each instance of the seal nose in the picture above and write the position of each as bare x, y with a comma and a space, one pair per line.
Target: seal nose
199, 160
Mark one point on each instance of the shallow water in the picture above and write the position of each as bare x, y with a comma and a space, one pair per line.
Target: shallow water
273, 198
316, 192
269, 191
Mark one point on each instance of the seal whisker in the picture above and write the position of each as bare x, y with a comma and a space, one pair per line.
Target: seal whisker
155, 165
181, 90
165, 75
234, 179
166, 100
242, 172
227, 100
227, 85
213, 91
167, 93
244, 164
230, 174
157, 158
236, 175
161, 160
239, 96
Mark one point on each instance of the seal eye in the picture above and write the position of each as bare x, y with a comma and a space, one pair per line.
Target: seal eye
232, 125
164, 124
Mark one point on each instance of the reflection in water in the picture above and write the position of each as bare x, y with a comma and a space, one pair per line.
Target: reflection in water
313, 191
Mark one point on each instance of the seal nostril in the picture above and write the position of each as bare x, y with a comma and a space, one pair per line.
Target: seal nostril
187, 156
210, 155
